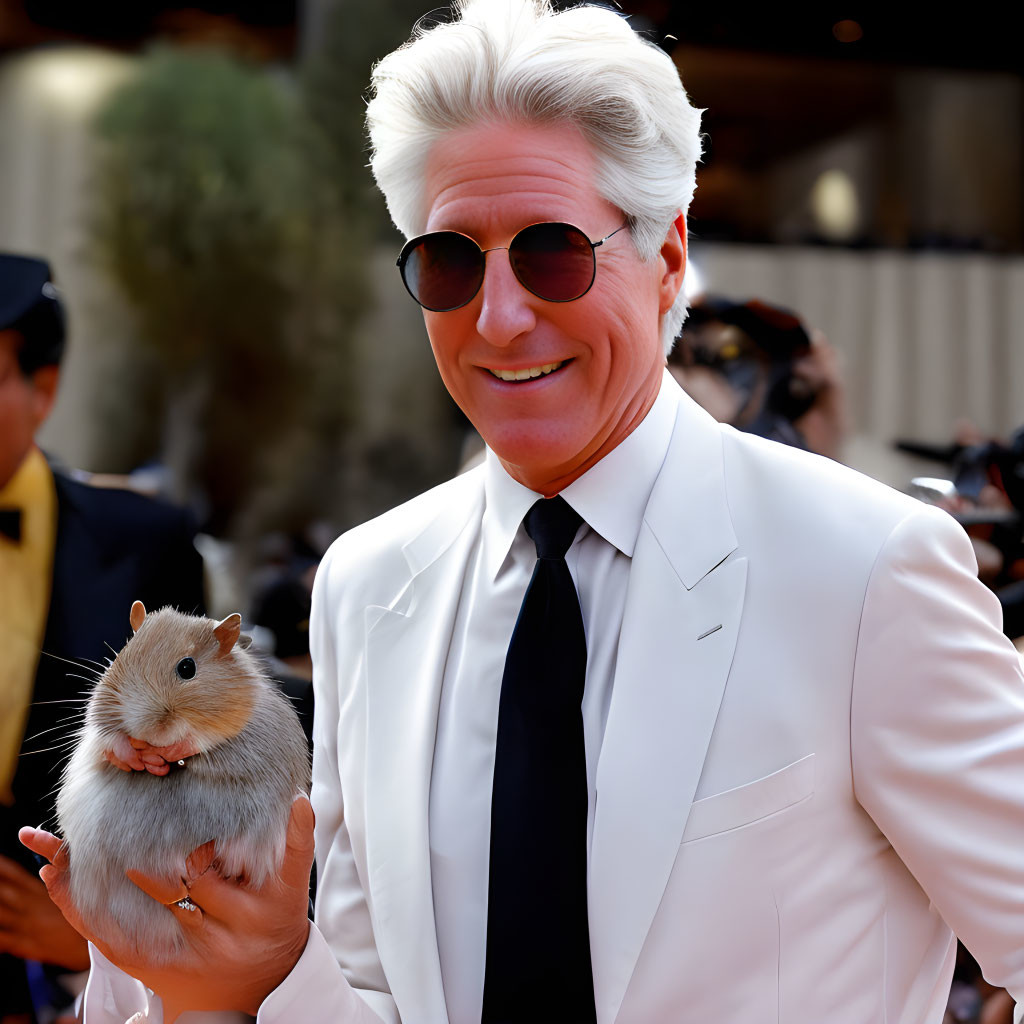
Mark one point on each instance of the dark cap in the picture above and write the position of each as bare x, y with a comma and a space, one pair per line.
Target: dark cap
30, 304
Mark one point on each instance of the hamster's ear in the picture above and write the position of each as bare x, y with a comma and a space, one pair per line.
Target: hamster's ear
136, 615
226, 631
244, 641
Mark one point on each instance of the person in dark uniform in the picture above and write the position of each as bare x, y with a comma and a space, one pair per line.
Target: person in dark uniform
73, 558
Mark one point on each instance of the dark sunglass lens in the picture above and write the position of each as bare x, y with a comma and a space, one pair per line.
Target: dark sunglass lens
554, 261
443, 271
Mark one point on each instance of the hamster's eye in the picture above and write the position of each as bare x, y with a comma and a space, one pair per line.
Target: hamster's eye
186, 668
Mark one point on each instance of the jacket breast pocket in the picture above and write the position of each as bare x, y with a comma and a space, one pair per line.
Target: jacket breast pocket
752, 802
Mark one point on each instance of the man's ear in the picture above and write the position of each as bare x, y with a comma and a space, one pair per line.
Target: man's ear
44, 393
673, 258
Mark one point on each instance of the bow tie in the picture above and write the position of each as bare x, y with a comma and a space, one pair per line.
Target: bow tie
10, 523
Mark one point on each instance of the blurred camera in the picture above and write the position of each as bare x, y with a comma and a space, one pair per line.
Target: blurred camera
738, 360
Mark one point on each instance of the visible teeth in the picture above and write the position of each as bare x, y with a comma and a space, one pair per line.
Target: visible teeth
533, 371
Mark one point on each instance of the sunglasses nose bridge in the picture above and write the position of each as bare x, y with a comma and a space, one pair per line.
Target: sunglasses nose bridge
511, 265
499, 270
490, 270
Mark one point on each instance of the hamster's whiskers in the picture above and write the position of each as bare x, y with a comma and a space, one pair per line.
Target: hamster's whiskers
76, 719
85, 679
69, 746
85, 663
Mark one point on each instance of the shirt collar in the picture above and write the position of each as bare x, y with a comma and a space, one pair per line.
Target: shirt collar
28, 483
611, 496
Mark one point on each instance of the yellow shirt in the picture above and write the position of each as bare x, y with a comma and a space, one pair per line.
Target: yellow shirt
26, 574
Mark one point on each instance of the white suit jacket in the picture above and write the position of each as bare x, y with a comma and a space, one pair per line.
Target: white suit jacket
812, 770
813, 767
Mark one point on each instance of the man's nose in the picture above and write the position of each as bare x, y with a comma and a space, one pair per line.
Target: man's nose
506, 311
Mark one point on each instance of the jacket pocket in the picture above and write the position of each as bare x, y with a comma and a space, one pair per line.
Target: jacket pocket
751, 802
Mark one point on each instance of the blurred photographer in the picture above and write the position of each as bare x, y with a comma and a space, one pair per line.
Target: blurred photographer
983, 488
757, 367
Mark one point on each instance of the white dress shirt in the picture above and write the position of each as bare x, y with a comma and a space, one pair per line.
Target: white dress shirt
611, 498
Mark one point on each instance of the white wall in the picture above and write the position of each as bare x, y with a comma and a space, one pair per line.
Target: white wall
47, 100
925, 337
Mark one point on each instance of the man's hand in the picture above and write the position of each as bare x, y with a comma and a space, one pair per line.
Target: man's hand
241, 944
31, 927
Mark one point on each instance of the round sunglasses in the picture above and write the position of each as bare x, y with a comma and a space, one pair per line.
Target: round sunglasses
443, 270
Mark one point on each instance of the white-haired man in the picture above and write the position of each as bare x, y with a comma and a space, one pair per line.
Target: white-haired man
644, 720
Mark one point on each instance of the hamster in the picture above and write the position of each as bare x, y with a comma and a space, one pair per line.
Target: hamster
179, 678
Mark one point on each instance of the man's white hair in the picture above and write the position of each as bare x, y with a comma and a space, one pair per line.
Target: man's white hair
520, 61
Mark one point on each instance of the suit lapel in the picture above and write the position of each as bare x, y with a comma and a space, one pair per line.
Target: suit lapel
678, 635
83, 552
406, 649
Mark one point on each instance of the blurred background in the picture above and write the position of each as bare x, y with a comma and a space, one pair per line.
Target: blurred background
240, 342
239, 338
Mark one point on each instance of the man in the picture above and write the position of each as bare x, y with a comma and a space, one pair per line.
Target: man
797, 754
72, 560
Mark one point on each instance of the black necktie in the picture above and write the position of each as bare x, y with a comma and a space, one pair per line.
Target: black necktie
538, 941
10, 523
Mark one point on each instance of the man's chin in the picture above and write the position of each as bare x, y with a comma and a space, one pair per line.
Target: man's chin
542, 463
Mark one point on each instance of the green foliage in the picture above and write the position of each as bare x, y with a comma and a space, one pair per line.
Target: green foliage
219, 213
235, 209
203, 207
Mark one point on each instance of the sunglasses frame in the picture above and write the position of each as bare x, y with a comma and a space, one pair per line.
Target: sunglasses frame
413, 243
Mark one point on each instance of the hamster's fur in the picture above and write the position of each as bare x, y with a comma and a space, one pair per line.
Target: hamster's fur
252, 761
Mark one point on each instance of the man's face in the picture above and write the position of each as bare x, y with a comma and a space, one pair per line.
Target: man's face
24, 404
489, 182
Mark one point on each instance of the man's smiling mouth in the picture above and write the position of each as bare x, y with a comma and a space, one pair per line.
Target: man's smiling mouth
529, 372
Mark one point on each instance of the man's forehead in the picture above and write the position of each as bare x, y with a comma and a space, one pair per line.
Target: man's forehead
546, 170
458, 208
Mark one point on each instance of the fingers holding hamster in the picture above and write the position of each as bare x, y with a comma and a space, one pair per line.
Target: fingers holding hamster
232, 900
174, 895
55, 873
